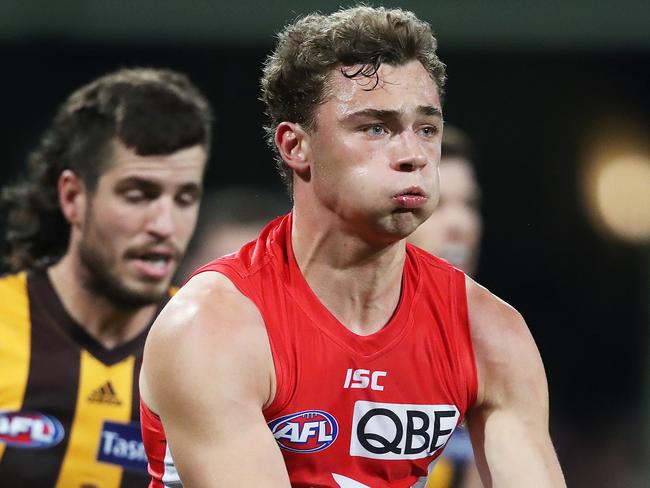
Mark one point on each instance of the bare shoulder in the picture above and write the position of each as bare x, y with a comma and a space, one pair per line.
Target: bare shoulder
206, 305
508, 361
208, 331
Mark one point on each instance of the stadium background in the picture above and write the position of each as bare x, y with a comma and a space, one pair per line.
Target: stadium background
547, 91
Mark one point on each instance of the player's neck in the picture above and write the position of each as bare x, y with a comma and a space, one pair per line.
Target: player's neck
110, 325
358, 283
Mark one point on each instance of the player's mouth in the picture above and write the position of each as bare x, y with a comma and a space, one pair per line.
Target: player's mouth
412, 197
155, 264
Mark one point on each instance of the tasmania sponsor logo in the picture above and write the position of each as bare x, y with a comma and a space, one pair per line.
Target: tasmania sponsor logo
400, 431
121, 444
30, 430
306, 431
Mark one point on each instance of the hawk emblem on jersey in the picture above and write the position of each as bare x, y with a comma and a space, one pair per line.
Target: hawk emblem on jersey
30, 430
306, 431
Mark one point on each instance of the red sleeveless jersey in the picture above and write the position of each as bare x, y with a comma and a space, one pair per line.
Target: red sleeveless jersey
349, 410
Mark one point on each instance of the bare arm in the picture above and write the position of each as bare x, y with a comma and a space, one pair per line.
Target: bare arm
509, 424
208, 374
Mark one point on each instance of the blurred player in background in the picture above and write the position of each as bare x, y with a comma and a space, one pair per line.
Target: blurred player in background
228, 219
94, 236
453, 232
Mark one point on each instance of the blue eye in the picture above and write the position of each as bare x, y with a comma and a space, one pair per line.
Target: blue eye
375, 130
429, 131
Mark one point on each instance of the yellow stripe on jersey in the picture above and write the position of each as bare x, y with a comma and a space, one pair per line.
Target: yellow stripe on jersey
104, 394
15, 342
441, 475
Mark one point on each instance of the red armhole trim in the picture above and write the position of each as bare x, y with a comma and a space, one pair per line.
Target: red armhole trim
155, 443
463, 317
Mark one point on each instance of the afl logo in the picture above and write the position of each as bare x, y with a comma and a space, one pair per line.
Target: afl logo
306, 431
30, 430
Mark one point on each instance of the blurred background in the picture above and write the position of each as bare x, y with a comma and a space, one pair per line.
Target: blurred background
556, 98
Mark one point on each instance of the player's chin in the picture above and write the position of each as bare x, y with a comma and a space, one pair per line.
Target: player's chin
402, 224
151, 297
153, 291
411, 216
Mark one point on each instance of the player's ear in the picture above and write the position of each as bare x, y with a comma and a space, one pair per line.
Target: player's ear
72, 197
292, 142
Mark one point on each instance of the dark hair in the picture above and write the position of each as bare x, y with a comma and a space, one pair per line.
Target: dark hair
239, 205
152, 111
296, 73
456, 143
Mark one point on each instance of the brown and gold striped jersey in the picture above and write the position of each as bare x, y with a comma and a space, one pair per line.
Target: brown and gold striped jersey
69, 408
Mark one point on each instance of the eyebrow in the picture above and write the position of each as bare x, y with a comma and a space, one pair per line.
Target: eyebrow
152, 186
426, 110
136, 181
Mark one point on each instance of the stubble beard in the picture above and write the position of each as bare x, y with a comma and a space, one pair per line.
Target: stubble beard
99, 280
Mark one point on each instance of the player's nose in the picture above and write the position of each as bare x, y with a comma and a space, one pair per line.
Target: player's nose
409, 154
161, 221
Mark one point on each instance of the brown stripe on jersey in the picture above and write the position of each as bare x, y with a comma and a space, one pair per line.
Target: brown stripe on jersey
85, 341
133, 479
54, 362
135, 408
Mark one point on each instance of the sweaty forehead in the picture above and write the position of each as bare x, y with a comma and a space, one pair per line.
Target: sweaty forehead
405, 83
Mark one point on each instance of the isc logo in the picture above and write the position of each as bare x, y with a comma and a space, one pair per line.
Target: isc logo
307, 431
30, 429
400, 431
362, 378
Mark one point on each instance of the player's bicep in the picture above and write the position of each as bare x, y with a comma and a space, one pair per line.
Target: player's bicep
206, 373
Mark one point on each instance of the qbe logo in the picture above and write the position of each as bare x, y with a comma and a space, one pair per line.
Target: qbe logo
400, 431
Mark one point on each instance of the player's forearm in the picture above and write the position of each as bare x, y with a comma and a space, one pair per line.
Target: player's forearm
519, 457
529, 470
248, 457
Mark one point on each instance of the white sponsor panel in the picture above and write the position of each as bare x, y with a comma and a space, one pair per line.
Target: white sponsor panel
345, 482
400, 431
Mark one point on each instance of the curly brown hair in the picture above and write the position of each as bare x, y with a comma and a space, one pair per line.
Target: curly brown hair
295, 75
152, 111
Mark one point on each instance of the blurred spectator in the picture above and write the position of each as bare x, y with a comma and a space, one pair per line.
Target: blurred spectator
453, 232
229, 218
